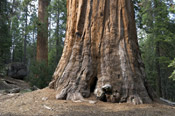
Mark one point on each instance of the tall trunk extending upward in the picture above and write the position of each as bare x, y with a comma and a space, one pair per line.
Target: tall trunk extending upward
158, 79
42, 37
25, 38
157, 53
57, 35
101, 53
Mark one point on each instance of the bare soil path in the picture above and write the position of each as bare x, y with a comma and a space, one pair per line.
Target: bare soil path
43, 103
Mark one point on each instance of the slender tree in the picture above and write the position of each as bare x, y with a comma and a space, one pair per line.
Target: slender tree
57, 35
101, 53
25, 36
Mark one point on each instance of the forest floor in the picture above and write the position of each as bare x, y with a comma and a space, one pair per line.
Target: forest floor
43, 103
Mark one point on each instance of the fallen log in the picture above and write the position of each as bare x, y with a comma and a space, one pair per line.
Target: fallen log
168, 102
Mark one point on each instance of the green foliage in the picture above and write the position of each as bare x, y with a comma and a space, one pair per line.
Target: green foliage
172, 64
56, 35
40, 74
57, 10
5, 41
19, 21
157, 33
148, 56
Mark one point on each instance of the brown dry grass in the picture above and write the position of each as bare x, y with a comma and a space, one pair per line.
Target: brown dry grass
31, 104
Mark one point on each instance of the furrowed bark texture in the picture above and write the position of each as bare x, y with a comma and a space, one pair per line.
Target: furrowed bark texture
101, 53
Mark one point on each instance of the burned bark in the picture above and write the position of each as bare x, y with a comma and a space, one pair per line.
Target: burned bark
101, 50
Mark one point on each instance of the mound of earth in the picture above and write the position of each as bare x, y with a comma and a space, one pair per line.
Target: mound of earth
10, 85
43, 103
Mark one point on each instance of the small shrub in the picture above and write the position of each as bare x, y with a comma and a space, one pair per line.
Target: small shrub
40, 74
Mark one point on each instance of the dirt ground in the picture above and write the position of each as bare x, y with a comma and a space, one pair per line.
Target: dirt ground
43, 103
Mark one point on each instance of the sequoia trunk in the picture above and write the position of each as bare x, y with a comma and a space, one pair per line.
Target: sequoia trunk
42, 37
101, 53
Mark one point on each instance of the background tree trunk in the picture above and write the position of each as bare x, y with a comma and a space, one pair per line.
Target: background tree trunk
101, 53
25, 37
57, 35
42, 37
158, 78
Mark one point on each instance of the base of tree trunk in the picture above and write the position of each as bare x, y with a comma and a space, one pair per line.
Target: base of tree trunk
101, 54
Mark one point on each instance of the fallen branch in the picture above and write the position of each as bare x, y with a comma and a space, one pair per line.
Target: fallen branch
47, 107
168, 102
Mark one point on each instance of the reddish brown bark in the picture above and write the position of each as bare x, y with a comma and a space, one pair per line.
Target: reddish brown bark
42, 37
101, 53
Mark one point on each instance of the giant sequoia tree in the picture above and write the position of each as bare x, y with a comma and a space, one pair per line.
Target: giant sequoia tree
101, 53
